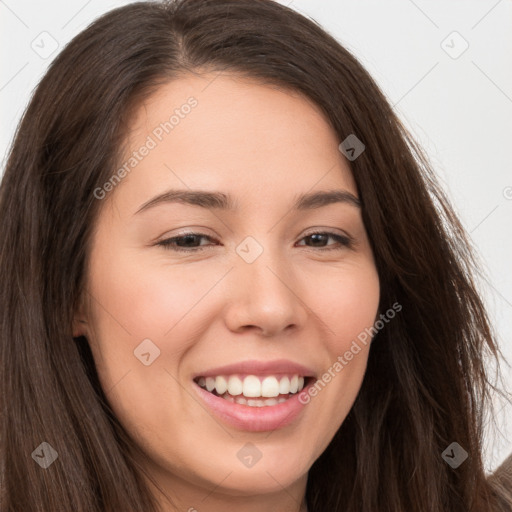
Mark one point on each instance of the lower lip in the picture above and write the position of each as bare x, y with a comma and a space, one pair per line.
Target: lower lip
253, 419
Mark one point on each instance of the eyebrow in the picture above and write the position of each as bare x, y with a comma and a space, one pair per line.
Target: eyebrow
222, 201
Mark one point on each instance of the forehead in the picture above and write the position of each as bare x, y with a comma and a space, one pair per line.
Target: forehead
225, 132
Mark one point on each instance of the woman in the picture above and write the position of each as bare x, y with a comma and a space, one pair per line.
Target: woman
324, 350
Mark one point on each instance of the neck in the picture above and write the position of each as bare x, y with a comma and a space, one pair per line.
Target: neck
189, 496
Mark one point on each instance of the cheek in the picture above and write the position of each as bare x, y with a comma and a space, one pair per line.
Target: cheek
347, 302
150, 300
134, 302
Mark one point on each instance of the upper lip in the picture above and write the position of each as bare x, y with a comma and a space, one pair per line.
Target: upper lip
253, 367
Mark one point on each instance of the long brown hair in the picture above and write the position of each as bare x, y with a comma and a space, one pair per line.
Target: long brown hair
426, 383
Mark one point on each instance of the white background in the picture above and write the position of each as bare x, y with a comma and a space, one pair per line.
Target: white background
460, 109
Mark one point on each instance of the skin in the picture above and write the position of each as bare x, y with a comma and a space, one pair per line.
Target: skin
298, 300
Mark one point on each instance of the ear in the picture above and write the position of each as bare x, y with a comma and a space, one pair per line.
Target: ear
80, 320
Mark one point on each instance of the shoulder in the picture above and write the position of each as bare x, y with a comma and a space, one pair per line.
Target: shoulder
500, 482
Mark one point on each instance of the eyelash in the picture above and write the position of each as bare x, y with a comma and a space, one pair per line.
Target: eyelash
345, 241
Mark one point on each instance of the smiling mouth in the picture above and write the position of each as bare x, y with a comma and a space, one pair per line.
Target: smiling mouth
253, 390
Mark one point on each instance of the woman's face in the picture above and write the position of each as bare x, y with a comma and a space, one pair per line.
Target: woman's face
253, 303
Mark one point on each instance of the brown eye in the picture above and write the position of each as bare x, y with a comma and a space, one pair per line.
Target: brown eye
320, 238
186, 242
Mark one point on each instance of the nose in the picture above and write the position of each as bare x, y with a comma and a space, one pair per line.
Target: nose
265, 297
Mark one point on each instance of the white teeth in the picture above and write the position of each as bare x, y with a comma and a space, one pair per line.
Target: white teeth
221, 385
269, 387
210, 383
253, 387
255, 402
294, 384
235, 386
284, 386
